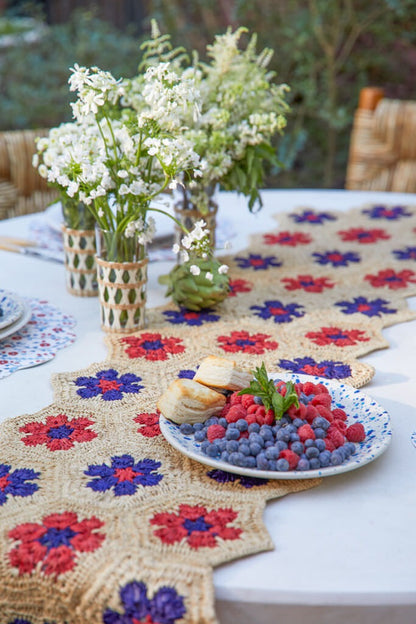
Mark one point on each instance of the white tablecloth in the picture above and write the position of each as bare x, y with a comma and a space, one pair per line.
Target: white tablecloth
345, 551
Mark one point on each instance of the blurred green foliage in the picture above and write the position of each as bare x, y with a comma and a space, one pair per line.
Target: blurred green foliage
326, 50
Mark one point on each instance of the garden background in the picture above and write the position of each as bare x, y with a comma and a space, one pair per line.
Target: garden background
326, 50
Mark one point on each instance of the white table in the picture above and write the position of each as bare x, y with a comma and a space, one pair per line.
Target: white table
345, 551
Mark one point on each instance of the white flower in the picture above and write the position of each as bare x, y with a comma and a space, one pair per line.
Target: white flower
176, 248
194, 269
223, 269
209, 276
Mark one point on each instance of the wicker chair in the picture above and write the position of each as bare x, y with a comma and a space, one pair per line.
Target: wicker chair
383, 144
22, 190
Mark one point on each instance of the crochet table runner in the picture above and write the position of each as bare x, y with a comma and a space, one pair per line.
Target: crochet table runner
101, 521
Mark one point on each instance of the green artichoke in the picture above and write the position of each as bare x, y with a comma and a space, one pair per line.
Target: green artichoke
196, 292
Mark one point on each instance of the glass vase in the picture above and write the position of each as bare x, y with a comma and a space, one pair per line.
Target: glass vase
122, 281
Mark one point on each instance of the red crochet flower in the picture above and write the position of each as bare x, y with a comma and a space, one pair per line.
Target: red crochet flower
55, 542
337, 336
196, 525
307, 283
362, 236
152, 346
239, 286
58, 433
392, 279
150, 424
291, 239
243, 341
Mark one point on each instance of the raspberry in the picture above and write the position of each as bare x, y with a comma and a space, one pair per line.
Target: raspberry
320, 388
247, 400
305, 432
215, 432
308, 388
260, 414
281, 387
251, 418
325, 412
335, 435
339, 414
224, 410
297, 412
235, 398
291, 457
252, 409
322, 399
235, 413
269, 417
340, 425
355, 433
311, 413
243, 434
330, 446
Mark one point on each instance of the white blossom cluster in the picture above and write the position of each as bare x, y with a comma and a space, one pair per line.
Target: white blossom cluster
197, 244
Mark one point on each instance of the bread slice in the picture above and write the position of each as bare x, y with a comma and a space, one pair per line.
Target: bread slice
223, 374
185, 400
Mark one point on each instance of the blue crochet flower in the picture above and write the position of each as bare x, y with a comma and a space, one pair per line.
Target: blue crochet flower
124, 475
165, 607
409, 253
191, 318
336, 258
109, 385
312, 217
281, 313
14, 483
257, 262
329, 369
390, 213
362, 305
227, 477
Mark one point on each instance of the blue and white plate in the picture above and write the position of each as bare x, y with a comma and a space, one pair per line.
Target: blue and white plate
12, 308
359, 408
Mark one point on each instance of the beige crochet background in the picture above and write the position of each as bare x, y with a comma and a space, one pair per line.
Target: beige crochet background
130, 549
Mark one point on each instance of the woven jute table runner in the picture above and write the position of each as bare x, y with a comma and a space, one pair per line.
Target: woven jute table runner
101, 520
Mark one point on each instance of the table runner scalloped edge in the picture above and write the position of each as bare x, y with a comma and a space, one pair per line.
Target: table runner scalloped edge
73, 476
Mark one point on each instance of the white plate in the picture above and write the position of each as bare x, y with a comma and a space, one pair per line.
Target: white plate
359, 408
19, 324
12, 307
164, 225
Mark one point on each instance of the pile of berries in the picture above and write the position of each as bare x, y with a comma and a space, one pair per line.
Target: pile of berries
307, 437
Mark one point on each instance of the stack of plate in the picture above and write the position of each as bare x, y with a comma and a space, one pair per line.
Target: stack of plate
14, 313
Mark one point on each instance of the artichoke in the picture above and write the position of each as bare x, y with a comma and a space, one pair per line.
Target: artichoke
196, 292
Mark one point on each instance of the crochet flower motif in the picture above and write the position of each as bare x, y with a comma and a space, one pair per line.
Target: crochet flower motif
362, 236
227, 477
58, 432
336, 258
187, 373
149, 424
313, 217
409, 253
13, 483
191, 318
109, 385
280, 312
289, 239
392, 279
165, 607
307, 283
124, 475
325, 368
54, 543
362, 305
257, 262
337, 336
239, 286
197, 526
392, 213
242, 341
152, 346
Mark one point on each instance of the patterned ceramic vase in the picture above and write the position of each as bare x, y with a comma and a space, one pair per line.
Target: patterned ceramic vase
80, 266
122, 282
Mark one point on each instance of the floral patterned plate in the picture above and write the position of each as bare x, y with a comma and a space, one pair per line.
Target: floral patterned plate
17, 325
11, 307
359, 407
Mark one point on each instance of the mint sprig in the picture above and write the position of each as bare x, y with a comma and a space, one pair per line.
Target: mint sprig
264, 388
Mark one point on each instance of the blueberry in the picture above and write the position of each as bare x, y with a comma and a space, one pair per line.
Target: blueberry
262, 462
232, 434
341, 450
254, 448
320, 422
294, 437
272, 453
213, 450
286, 420
320, 433
281, 445
211, 421
223, 422
336, 458
250, 462
303, 464
232, 446
254, 428
320, 445
266, 432
205, 444
297, 447
198, 426
312, 451
234, 458
186, 428
268, 443
241, 424
221, 444
298, 422
314, 463
309, 442
200, 435
325, 458
282, 435
282, 465
244, 449
225, 456
272, 464
255, 437
350, 446
276, 427
258, 401
291, 428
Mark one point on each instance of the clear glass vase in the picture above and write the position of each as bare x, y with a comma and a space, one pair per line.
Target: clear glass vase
122, 281
76, 214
